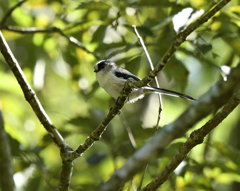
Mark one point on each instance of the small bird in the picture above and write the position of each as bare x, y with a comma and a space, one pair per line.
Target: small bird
112, 77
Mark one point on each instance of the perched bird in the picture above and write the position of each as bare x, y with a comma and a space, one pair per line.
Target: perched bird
112, 77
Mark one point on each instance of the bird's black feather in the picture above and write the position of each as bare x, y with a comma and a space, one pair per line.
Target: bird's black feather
126, 75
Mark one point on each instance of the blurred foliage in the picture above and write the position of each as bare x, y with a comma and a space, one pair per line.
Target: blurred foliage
62, 76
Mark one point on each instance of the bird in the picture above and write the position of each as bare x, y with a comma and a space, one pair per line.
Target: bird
112, 78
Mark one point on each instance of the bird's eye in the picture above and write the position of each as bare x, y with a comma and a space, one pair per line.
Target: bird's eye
101, 65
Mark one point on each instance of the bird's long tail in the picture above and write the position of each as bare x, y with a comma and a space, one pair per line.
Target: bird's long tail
168, 92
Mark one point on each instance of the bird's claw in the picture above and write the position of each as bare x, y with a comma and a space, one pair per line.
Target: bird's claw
117, 105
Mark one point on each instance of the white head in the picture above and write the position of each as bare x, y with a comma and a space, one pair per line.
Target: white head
104, 66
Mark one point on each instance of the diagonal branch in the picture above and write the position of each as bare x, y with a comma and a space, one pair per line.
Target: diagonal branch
30, 95
181, 37
210, 101
97, 133
129, 132
196, 137
9, 13
156, 81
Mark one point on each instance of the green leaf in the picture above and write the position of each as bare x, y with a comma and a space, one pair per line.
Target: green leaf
228, 151
146, 31
205, 48
99, 34
175, 69
33, 182
133, 64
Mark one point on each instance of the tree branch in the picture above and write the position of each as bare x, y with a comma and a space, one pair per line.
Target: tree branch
156, 81
211, 100
30, 95
97, 133
181, 37
32, 30
9, 13
196, 137
129, 132
66, 174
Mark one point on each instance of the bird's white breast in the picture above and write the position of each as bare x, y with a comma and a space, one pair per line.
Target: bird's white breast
110, 83
114, 85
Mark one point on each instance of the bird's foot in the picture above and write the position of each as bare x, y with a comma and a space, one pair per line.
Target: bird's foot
116, 104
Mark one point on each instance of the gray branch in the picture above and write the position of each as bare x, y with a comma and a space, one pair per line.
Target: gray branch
180, 39
32, 30
196, 137
9, 13
30, 95
210, 101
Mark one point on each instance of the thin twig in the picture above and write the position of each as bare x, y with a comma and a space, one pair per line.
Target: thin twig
78, 44
129, 46
129, 132
181, 37
115, 25
9, 13
125, 49
142, 178
157, 84
32, 30
152, 67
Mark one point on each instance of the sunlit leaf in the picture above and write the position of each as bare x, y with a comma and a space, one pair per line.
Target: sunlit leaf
99, 34
76, 104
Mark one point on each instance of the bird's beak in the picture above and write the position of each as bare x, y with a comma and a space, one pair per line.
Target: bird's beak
95, 70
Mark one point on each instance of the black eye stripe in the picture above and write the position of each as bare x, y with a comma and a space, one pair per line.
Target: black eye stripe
101, 65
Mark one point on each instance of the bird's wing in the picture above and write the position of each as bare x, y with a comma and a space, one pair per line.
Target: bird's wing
123, 73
